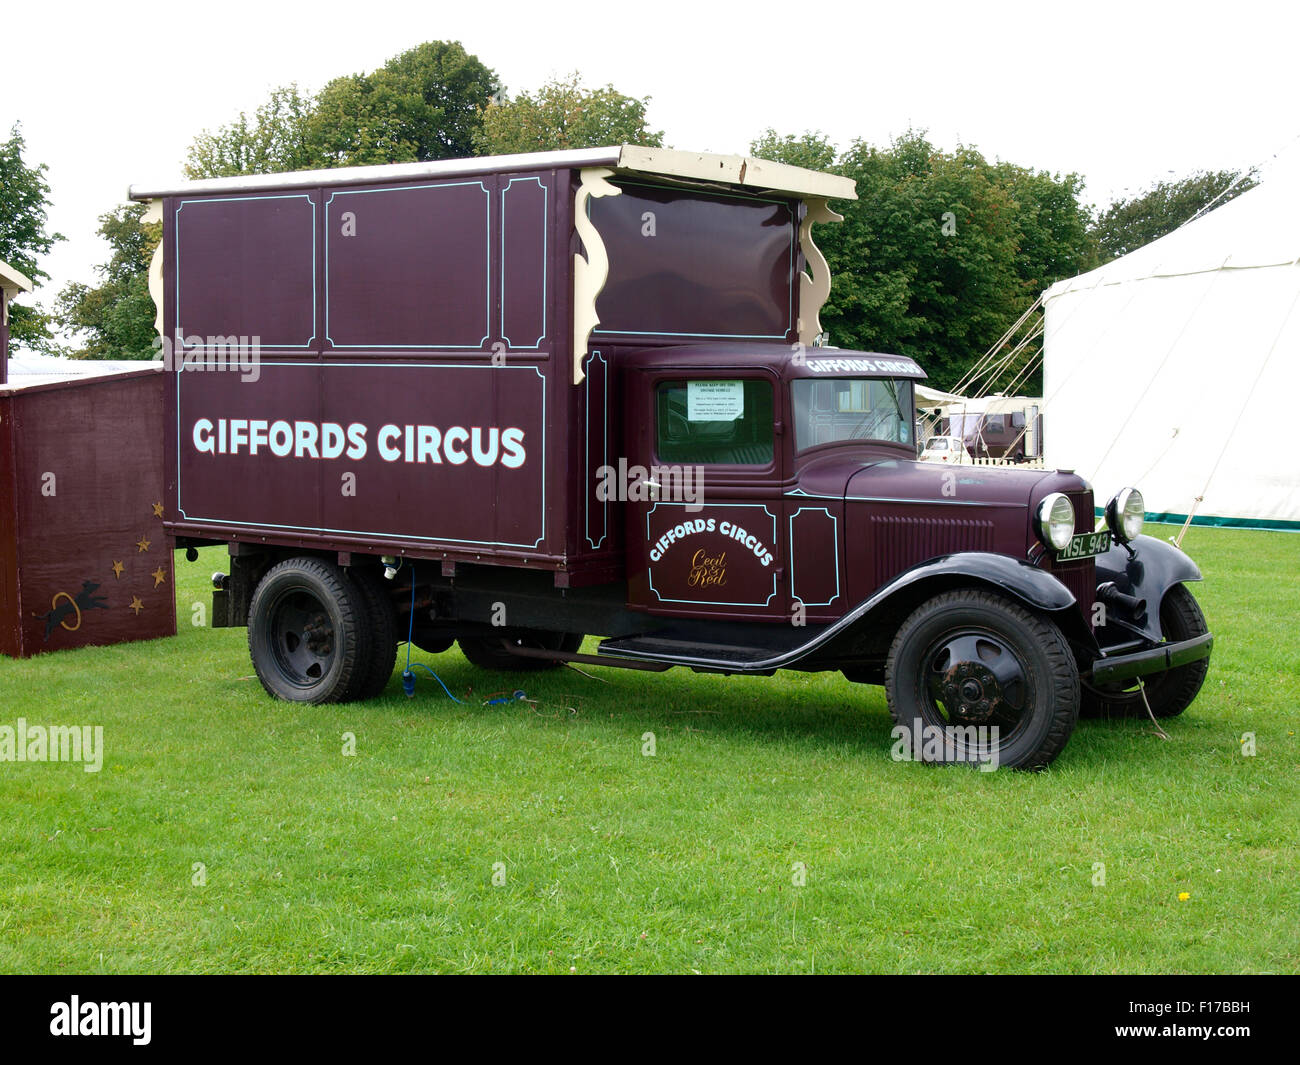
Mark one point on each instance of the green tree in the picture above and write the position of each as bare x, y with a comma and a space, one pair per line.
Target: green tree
1053, 226
116, 318
424, 104
942, 251
562, 114
924, 263
276, 139
24, 203
1128, 224
812, 150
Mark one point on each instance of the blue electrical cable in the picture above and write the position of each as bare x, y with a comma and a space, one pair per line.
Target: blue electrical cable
408, 675
421, 665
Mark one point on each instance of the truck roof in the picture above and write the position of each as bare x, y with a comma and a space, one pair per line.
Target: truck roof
690, 167
814, 362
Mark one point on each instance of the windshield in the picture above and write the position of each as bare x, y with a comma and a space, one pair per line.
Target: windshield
937, 443
830, 409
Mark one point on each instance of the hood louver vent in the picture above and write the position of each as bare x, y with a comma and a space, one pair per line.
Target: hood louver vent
901, 542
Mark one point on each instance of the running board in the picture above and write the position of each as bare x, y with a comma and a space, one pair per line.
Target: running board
767, 648
588, 660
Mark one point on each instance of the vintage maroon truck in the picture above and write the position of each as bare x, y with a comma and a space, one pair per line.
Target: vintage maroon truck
511, 402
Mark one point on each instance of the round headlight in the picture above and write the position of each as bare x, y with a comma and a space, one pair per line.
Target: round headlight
1054, 521
1125, 514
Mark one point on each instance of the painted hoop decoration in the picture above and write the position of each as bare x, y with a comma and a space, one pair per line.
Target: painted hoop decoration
54, 603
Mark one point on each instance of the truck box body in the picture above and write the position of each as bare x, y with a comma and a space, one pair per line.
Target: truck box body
366, 365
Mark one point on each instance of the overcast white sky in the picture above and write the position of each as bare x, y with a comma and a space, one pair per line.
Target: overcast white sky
1123, 93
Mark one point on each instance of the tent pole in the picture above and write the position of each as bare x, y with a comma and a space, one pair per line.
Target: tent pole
1191, 513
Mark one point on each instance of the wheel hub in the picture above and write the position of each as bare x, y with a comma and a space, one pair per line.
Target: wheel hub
971, 692
318, 634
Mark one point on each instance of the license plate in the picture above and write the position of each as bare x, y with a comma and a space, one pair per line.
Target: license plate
1085, 545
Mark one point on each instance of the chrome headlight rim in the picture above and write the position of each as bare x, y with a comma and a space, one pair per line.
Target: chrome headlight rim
1126, 515
1054, 521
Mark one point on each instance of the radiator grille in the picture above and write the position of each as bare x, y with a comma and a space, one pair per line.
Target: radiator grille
1081, 578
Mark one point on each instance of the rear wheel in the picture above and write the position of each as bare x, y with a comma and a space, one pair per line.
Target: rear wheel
486, 652
380, 618
307, 633
975, 678
1169, 693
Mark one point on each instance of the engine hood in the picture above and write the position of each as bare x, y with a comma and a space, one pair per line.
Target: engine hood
906, 481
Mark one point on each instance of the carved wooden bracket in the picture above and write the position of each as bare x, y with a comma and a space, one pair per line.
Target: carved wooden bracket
590, 273
814, 286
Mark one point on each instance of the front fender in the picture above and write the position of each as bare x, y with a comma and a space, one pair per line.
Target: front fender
1035, 588
1154, 567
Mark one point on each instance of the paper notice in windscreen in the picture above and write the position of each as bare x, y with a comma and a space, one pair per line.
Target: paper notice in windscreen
715, 401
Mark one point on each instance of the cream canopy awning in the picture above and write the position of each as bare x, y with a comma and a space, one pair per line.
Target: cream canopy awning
933, 397
745, 171
12, 281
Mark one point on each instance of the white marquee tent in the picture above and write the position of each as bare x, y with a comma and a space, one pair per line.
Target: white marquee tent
1174, 368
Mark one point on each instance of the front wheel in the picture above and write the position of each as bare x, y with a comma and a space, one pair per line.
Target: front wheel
975, 678
1169, 693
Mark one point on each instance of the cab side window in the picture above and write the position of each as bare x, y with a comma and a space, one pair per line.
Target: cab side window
712, 422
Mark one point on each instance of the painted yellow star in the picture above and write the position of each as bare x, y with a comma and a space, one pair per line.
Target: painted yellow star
142, 544
136, 605
157, 510
159, 577
117, 571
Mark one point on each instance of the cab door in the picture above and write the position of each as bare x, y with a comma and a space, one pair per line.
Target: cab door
703, 533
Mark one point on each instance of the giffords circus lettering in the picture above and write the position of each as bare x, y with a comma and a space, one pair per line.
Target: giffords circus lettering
728, 529
456, 444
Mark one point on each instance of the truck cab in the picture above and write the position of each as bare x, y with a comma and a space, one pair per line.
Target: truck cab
769, 437
781, 488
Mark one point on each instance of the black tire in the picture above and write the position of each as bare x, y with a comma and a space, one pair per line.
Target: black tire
971, 657
381, 631
306, 632
486, 651
1169, 693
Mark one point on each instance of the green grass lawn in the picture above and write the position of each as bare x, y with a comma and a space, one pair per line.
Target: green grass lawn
504, 838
